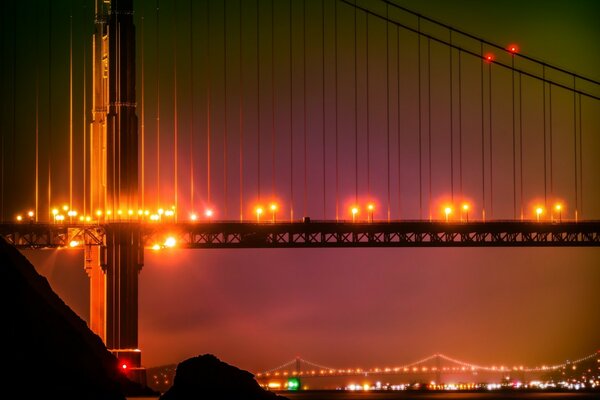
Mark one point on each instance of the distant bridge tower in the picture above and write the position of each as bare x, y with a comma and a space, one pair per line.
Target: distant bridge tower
114, 267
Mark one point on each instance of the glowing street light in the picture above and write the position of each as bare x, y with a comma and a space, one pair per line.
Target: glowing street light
30, 214
19, 218
156, 247
465, 208
73, 243
170, 242
273, 208
558, 209
193, 217
258, 211
370, 208
538, 212
354, 211
447, 212
209, 213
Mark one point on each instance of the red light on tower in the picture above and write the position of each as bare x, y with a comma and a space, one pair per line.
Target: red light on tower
513, 48
489, 57
124, 366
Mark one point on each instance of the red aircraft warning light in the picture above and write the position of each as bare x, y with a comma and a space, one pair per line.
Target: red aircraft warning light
489, 57
513, 48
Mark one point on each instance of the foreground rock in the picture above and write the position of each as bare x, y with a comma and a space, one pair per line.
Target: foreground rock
206, 377
48, 351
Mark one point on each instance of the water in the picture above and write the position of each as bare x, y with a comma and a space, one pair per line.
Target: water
439, 396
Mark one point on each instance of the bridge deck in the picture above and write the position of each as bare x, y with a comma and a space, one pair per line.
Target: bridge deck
315, 234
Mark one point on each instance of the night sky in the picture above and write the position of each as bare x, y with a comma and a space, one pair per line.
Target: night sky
351, 307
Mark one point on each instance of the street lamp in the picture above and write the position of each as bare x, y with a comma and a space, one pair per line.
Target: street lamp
371, 209
465, 208
558, 208
259, 211
447, 212
273, 211
208, 213
538, 212
354, 212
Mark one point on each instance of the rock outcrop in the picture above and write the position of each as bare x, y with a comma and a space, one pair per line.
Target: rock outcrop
47, 350
206, 377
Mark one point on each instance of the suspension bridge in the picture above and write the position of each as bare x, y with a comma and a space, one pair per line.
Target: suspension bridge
282, 124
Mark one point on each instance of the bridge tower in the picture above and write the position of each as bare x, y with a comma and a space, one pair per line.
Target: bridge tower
114, 267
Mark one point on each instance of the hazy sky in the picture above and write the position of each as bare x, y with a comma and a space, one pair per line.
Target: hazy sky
352, 307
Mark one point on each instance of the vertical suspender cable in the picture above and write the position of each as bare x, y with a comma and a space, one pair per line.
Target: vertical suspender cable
192, 111
491, 140
367, 108
175, 115
37, 115
208, 104
84, 130
2, 135
575, 148
71, 107
258, 97
241, 117
420, 120
337, 202
399, 119
291, 126
323, 112
157, 104
580, 159
49, 109
387, 108
550, 137
521, 143
355, 109
429, 121
14, 106
273, 99
544, 132
304, 108
225, 122
143, 129
513, 139
482, 140
451, 122
460, 159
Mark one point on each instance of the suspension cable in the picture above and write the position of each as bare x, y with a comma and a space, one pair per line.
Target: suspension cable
521, 142
482, 139
429, 122
337, 204
291, 122
387, 108
175, 114
71, 106
273, 99
323, 111
420, 122
367, 108
37, 115
84, 130
514, 144
575, 149
304, 108
580, 158
157, 104
208, 105
544, 133
550, 138
49, 112
399, 144
355, 109
258, 99
460, 158
451, 122
225, 122
142, 130
491, 140
241, 117
191, 105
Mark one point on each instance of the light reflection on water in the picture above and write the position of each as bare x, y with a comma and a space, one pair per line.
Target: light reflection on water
439, 396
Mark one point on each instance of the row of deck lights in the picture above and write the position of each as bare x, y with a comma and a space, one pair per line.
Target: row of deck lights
259, 211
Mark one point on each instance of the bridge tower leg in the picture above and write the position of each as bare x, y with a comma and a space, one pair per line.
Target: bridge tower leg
114, 267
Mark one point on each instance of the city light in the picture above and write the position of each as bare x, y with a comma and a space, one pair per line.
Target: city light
447, 212
538, 213
156, 247
73, 243
354, 212
19, 218
170, 242
30, 214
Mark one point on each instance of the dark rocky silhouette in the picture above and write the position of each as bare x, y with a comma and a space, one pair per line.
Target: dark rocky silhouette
206, 377
48, 352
